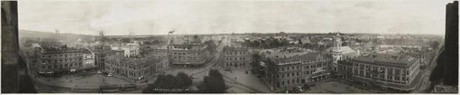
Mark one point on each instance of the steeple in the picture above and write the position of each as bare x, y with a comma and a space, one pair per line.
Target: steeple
336, 51
101, 33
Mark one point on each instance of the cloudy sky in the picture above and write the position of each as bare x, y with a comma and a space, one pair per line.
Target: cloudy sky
141, 17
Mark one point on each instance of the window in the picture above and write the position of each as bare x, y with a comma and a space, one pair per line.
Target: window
390, 71
382, 76
397, 71
389, 77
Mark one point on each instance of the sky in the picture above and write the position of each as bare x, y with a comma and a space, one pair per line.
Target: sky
155, 17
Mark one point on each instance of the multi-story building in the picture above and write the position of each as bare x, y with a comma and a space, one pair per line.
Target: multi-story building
132, 49
236, 57
391, 71
188, 55
339, 52
295, 68
50, 60
131, 67
100, 51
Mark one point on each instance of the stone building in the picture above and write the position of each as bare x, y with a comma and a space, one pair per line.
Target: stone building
188, 55
285, 71
132, 49
391, 71
236, 57
131, 67
50, 60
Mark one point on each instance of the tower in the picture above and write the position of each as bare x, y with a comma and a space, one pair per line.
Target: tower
58, 35
336, 51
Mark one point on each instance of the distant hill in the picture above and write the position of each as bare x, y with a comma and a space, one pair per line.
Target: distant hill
28, 34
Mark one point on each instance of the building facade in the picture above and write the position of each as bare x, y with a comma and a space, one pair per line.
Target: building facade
50, 60
287, 71
188, 55
132, 49
131, 67
236, 57
391, 71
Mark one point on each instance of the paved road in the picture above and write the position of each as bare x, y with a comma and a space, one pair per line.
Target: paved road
425, 84
214, 61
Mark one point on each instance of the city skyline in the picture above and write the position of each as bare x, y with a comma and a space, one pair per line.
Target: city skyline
224, 17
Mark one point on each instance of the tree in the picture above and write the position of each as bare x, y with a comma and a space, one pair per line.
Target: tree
345, 44
180, 81
434, 44
184, 80
125, 40
156, 42
211, 46
256, 58
213, 83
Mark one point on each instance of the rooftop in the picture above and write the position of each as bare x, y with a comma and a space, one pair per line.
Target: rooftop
62, 49
143, 60
388, 59
230, 48
298, 57
188, 46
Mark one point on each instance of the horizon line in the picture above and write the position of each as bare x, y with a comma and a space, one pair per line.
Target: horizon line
235, 33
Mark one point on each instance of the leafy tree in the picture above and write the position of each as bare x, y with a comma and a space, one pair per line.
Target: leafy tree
213, 83
180, 81
156, 42
211, 46
344, 44
125, 40
434, 44
184, 80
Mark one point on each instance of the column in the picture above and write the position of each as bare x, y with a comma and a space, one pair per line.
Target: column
10, 65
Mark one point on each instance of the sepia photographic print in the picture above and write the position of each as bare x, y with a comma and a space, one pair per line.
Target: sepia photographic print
230, 46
